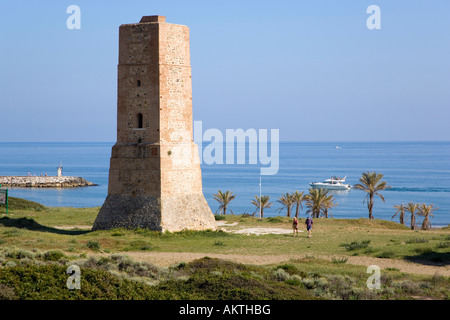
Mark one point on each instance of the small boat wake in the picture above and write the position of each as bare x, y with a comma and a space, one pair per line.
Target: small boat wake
425, 189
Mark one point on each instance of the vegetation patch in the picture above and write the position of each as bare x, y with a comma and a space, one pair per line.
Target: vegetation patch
219, 217
19, 283
417, 240
430, 256
386, 254
355, 245
443, 245
289, 268
219, 279
180, 234
228, 281
93, 245
54, 255
23, 204
33, 246
139, 245
340, 260
276, 219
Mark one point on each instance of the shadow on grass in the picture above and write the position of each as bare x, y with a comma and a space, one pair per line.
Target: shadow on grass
431, 258
31, 224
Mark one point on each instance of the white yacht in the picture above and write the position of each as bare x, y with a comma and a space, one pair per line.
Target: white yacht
334, 183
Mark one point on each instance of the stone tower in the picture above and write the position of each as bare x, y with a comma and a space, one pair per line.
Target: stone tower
154, 177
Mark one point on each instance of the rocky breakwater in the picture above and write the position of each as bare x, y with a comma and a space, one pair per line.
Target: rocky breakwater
44, 182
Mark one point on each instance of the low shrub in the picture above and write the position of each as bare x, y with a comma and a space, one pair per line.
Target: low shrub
20, 283
416, 240
339, 260
290, 268
275, 219
53, 255
355, 245
19, 254
93, 245
280, 275
386, 254
7, 292
443, 245
391, 269
139, 245
117, 233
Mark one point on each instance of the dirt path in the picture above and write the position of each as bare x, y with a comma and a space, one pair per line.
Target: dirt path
165, 259
403, 266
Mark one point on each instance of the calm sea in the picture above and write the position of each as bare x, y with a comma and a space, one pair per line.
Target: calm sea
416, 171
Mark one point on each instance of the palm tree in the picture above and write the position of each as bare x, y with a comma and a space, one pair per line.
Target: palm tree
224, 199
372, 184
412, 208
426, 211
316, 201
264, 201
328, 204
400, 209
298, 197
287, 201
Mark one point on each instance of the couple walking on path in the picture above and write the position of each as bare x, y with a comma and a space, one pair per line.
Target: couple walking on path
308, 223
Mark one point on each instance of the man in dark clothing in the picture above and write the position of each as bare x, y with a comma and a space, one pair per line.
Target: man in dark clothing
309, 223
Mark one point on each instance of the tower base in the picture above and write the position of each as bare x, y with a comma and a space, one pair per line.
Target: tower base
169, 213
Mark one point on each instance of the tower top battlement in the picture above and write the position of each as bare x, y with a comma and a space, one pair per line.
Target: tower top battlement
146, 19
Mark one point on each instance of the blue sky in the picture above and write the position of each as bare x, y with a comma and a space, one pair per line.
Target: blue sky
311, 69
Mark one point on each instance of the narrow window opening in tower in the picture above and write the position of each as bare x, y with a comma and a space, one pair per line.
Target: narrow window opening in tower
140, 122
139, 83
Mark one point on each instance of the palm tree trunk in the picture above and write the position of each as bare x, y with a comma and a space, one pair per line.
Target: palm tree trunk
425, 223
370, 206
296, 210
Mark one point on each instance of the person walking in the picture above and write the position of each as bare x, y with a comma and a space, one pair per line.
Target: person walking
309, 222
295, 226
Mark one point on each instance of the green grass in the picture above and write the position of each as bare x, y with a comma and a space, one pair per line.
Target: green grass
67, 229
33, 238
20, 204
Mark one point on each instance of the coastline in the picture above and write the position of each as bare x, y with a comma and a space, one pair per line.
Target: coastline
44, 182
416, 181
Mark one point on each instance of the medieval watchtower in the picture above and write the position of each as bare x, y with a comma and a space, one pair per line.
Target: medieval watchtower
155, 177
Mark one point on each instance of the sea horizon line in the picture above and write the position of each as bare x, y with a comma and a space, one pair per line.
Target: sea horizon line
281, 141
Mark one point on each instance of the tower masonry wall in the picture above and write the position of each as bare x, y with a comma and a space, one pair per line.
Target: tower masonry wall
155, 176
